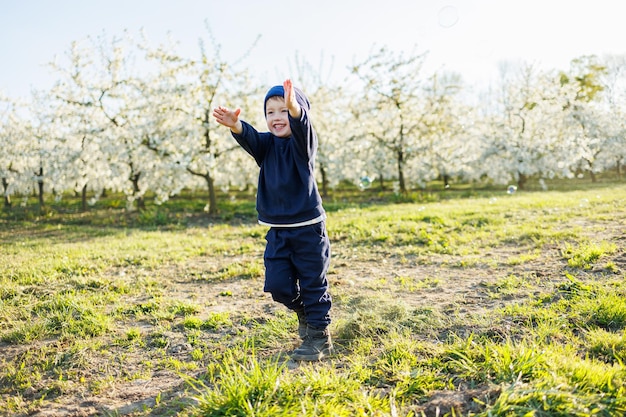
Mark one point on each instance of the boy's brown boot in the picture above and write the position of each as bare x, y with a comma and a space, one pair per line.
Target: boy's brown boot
315, 346
302, 327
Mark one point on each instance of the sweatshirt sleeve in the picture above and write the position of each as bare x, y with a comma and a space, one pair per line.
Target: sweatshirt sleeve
252, 141
305, 137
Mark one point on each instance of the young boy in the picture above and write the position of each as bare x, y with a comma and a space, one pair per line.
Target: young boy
297, 254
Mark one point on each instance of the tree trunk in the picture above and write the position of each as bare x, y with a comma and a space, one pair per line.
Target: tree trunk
7, 197
593, 176
591, 173
381, 180
141, 204
83, 198
324, 181
40, 188
401, 172
212, 197
446, 181
521, 181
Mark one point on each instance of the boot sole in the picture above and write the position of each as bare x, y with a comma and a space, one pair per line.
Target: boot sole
311, 358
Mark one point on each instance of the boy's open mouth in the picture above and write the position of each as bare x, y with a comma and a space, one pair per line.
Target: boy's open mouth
279, 126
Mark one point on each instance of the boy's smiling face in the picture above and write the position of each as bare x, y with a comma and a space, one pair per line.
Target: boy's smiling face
277, 117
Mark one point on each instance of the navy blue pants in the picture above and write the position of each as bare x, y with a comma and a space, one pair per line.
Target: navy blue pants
296, 262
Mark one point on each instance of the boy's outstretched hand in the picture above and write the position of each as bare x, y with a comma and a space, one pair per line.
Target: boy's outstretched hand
228, 118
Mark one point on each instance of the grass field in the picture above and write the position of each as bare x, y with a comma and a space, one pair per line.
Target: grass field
457, 303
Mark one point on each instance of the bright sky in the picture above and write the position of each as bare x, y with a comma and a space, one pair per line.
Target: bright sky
466, 36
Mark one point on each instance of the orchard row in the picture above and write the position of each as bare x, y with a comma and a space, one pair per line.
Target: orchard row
133, 118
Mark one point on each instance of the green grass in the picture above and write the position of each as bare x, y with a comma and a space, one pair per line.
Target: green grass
475, 302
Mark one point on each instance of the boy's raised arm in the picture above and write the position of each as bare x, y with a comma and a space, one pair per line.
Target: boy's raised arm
292, 104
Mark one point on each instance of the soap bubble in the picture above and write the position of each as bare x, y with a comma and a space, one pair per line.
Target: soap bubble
448, 16
365, 182
511, 189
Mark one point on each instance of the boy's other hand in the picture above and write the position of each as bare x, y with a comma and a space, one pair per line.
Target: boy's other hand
228, 118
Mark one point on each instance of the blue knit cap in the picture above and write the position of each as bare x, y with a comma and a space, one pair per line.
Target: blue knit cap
279, 91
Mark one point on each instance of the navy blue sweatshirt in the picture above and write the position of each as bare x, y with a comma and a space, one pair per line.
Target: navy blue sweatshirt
287, 192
